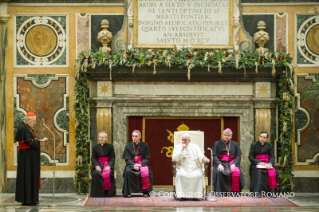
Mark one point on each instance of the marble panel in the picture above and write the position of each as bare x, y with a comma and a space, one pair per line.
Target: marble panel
183, 89
166, 24
180, 107
41, 41
250, 25
82, 33
49, 100
281, 32
307, 147
306, 40
116, 25
306, 184
3, 97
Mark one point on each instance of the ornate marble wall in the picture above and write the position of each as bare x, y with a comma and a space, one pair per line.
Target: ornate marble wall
307, 126
74, 24
306, 147
292, 27
89, 25
307, 40
51, 35
50, 103
41, 40
276, 27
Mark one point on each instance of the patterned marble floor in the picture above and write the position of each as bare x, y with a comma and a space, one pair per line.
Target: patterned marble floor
72, 202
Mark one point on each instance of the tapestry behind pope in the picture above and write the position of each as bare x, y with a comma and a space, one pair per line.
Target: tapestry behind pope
158, 132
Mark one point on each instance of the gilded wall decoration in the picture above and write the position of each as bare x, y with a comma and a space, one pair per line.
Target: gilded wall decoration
50, 102
307, 40
41, 41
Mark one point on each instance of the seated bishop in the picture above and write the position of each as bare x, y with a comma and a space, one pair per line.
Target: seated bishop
189, 181
263, 176
138, 177
227, 176
103, 160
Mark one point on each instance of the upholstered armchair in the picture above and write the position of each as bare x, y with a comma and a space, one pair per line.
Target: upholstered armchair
197, 137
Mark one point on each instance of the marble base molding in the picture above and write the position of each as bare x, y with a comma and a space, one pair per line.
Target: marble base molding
182, 107
306, 184
62, 185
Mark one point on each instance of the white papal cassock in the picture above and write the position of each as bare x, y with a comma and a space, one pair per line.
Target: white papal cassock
189, 182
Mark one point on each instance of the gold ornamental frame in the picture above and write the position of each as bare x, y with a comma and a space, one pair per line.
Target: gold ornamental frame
230, 44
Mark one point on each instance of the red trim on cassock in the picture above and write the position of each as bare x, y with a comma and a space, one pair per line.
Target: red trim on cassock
22, 145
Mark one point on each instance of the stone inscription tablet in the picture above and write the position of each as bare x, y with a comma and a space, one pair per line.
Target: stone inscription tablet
202, 23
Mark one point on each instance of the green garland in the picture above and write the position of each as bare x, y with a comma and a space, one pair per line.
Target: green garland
184, 58
189, 59
81, 180
286, 127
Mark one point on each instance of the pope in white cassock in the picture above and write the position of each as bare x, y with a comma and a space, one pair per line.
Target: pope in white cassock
189, 182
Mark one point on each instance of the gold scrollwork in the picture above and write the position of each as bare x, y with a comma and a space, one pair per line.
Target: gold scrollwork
170, 137
169, 152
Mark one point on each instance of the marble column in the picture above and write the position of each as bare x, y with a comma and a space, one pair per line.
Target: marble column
3, 132
262, 121
104, 122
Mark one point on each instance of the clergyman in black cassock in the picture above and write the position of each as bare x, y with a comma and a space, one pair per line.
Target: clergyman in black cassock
138, 177
227, 176
28, 170
263, 179
103, 160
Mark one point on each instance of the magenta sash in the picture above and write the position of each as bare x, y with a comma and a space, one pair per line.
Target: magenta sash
272, 181
105, 174
144, 172
235, 173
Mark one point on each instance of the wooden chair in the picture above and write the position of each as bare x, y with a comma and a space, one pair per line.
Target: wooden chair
197, 137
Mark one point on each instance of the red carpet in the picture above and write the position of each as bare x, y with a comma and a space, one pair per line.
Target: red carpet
170, 202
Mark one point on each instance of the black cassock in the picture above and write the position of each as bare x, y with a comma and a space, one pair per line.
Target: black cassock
97, 180
133, 178
28, 171
222, 181
259, 177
